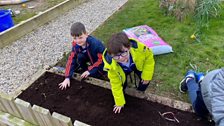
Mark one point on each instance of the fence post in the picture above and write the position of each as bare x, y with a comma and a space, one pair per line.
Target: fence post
61, 120
9, 105
26, 111
78, 123
43, 116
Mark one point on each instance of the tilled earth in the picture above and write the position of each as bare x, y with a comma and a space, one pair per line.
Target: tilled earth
93, 105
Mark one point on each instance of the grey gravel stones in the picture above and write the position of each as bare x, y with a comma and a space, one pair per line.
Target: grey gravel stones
47, 44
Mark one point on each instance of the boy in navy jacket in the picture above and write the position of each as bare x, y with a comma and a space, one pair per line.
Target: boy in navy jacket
86, 54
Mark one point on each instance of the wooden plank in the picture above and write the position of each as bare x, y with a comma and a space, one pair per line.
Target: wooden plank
42, 115
159, 99
9, 105
77, 76
133, 92
7, 119
34, 77
26, 111
2, 108
61, 120
3, 124
78, 123
98, 82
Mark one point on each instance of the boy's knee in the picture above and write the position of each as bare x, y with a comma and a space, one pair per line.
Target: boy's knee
142, 87
82, 60
81, 57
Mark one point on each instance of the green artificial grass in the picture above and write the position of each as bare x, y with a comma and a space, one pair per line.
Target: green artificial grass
170, 68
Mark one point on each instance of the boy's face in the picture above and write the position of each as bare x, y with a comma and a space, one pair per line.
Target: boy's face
121, 57
81, 40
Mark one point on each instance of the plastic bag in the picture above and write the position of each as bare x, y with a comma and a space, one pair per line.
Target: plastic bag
150, 38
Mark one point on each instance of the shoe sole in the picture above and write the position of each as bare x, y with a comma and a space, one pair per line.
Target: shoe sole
180, 86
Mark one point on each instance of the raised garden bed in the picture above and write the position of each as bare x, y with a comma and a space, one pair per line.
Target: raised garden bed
25, 10
93, 105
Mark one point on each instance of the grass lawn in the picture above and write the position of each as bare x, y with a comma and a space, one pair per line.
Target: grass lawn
170, 68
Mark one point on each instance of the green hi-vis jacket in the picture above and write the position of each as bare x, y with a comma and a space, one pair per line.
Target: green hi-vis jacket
144, 61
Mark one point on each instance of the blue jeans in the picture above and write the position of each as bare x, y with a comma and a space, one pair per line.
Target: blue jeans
194, 93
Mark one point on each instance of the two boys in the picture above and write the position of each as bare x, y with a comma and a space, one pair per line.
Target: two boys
121, 57
124, 56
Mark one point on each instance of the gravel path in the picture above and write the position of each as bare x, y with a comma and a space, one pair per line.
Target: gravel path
46, 45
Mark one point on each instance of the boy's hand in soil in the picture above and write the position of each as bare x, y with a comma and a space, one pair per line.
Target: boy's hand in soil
117, 109
64, 84
85, 74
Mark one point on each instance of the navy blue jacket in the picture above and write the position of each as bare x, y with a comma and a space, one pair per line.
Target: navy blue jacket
95, 49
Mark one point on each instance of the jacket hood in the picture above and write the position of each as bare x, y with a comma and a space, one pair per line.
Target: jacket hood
107, 60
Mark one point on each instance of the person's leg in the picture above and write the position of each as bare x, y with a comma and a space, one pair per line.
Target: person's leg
82, 61
141, 86
199, 106
125, 85
100, 74
192, 87
195, 97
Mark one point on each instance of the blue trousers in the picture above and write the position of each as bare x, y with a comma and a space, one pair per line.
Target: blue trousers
194, 93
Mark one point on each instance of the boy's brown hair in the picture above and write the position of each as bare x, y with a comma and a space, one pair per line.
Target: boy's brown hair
77, 29
117, 42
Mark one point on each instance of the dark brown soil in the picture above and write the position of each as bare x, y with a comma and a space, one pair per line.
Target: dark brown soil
93, 105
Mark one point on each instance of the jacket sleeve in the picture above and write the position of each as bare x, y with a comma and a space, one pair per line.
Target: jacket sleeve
71, 64
148, 66
217, 101
99, 63
117, 88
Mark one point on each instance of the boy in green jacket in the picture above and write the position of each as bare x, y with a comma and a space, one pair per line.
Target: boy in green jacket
122, 57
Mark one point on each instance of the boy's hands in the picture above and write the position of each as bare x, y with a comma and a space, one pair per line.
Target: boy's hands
64, 84
85, 74
117, 109
145, 81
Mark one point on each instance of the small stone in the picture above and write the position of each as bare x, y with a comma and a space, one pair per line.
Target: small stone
68, 97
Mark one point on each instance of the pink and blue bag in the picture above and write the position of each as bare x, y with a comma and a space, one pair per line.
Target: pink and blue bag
150, 38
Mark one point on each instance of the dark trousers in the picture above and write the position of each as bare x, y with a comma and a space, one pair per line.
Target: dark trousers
83, 62
194, 93
140, 86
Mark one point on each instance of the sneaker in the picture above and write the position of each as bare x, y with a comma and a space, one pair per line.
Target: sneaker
183, 84
199, 77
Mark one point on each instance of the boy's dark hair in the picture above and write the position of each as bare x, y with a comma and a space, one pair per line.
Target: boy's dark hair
77, 29
116, 43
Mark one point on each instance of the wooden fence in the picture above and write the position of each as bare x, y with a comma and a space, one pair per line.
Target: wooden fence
17, 112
